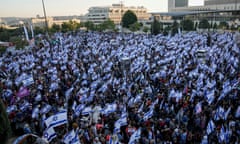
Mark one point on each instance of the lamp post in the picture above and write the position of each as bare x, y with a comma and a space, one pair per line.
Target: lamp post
45, 15
121, 15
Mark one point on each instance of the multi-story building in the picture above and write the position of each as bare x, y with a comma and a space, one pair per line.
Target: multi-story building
40, 22
215, 11
222, 4
176, 4
115, 12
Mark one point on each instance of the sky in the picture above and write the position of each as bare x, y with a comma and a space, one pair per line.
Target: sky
31, 8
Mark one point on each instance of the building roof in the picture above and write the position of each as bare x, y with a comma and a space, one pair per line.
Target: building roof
183, 13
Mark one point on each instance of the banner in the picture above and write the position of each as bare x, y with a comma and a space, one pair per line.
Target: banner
23, 92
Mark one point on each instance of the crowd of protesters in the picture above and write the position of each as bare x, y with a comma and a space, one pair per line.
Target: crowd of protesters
166, 90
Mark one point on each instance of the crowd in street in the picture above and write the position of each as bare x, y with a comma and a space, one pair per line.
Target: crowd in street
126, 88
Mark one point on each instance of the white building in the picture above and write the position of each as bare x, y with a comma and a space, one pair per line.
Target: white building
115, 12
224, 5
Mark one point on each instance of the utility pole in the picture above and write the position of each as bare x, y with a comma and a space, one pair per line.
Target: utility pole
45, 15
121, 23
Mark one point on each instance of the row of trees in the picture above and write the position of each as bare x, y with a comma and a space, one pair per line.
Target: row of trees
129, 21
189, 25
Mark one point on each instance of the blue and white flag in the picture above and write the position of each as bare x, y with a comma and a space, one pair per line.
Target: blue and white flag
28, 81
49, 134
57, 119
74, 105
24, 106
141, 108
35, 112
26, 32
87, 110
75, 140
222, 137
198, 108
226, 113
38, 97
32, 31
210, 96
120, 122
135, 136
68, 93
210, 127
220, 113
11, 108
109, 108
237, 114
45, 109
71, 138
113, 139
79, 109
148, 115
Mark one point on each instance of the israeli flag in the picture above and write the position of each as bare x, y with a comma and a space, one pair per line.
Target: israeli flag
222, 136
46, 109
198, 108
210, 127
57, 119
49, 134
110, 108
226, 113
87, 110
24, 106
38, 97
74, 105
79, 109
148, 115
11, 108
28, 81
75, 140
141, 108
35, 112
68, 93
135, 136
210, 96
237, 114
71, 138
220, 113
120, 122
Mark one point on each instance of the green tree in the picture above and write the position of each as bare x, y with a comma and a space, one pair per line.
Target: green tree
38, 30
89, 25
73, 25
107, 25
215, 25
187, 25
135, 27
129, 18
146, 29
155, 27
223, 25
204, 24
65, 27
5, 128
175, 27
4, 35
55, 28
19, 42
196, 26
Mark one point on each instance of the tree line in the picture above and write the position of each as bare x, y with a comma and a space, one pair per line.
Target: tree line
129, 21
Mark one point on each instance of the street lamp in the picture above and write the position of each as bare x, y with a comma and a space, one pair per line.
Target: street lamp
45, 15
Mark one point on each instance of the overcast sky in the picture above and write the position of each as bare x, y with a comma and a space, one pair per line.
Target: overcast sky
31, 8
